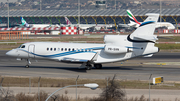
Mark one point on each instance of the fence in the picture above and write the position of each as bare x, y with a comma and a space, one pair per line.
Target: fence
12, 35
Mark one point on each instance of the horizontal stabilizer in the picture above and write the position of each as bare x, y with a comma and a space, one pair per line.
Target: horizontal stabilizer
145, 32
146, 37
133, 24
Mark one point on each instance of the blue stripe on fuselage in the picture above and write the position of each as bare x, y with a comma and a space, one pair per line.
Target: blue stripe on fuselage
66, 53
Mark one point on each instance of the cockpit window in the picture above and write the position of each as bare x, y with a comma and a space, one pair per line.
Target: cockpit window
21, 46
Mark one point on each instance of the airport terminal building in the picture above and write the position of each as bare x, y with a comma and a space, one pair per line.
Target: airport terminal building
104, 16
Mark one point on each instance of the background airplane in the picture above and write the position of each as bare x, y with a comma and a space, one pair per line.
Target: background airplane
135, 23
25, 24
116, 48
86, 26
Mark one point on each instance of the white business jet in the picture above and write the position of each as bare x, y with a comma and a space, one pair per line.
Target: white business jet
116, 48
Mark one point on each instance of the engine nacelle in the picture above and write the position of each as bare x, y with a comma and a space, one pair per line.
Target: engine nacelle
115, 49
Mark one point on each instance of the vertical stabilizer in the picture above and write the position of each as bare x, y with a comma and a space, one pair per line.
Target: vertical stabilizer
132, 18
68, 22
146, 30
24, 22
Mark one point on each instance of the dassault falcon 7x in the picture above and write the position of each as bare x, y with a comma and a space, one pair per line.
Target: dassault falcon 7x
116, 48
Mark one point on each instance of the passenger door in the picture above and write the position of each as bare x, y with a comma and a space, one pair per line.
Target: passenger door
31, 51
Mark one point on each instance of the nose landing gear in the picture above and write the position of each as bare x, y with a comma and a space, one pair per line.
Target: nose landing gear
28, 62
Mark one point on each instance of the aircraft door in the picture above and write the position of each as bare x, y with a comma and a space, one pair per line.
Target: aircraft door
31, 51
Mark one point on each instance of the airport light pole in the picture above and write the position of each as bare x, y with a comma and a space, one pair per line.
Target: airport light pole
8, 13
115, 4
8, 18
149, 86
93, 86
160, 9
29, 85
40, 5
76, 86
78, 11
1, 85
38, 88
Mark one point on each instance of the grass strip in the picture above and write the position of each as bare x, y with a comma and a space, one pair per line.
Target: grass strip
61, 82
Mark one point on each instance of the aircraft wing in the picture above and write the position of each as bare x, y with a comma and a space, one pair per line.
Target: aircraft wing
74, 60
92, 58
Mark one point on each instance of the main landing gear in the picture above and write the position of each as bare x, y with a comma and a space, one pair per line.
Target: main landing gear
89, 66
98, 66
28, 62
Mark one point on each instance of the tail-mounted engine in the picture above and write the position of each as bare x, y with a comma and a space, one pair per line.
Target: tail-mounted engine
116, 49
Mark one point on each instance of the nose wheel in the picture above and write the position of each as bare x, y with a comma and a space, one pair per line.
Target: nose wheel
27, 66
28, 62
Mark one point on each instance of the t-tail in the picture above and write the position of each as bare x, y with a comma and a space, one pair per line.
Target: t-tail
68, 22
24, 22
133, 20
144, 38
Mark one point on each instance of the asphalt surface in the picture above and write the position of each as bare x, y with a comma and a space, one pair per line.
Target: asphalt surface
134, 69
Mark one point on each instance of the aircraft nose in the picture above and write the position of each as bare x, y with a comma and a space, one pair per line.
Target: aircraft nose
11, 53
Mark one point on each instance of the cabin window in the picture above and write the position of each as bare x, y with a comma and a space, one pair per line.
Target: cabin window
61, 49
47, 49
54, 49
65, 49
51, 49
73, 49
69, 49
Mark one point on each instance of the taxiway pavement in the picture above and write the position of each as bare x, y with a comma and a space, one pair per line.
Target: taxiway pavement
134, 69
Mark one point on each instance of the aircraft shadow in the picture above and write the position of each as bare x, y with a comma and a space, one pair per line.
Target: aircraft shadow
121, 68
82, 70
74, 69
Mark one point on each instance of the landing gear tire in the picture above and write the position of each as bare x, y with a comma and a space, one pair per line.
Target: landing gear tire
28, 62
88, 67
98, 66
27, 66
